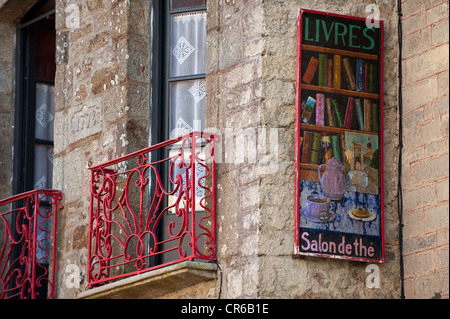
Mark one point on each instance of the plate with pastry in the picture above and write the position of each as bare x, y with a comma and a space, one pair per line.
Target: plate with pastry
362, 214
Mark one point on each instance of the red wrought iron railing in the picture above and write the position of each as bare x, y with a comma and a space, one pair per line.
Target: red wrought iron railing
27, 244
153, 208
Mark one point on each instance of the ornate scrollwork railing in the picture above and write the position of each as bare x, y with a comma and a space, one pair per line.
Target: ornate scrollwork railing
153, 208
28, 244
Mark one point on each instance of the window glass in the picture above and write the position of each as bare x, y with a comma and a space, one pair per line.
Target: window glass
187, 107
45, 111
43, 166
188, 44
45, 55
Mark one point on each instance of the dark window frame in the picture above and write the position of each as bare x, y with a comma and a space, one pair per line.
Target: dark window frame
161, 78
38, 19
26, 79
161, 81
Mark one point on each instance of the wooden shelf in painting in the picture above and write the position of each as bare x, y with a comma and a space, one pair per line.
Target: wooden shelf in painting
331, 129
359, 55
309, 172
363, 95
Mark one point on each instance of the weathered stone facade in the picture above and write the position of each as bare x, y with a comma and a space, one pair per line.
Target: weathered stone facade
425, 160
103, 110
9, 14
252, 82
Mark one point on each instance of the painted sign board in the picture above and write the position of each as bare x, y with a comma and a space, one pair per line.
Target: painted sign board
339, 137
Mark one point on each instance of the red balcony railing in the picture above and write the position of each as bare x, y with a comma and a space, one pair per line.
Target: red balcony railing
27, 244
153, 208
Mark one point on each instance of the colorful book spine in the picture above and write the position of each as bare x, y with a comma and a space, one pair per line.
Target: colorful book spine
359, 114
309, 108
342, 148
349, 74
349, 113
371, 79
335, 147
366, 77
374, 117
337, 71
338, 114
330, 73
330, 114
315, 148
320, 109
310, 70
303, 105
323, 66
306, 150
360, 75
367, 115
327, 152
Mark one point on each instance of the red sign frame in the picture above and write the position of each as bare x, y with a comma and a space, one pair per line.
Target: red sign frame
349, 225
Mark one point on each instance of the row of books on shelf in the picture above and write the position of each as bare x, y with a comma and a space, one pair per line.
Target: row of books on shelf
362, 79
366, 113
318, 148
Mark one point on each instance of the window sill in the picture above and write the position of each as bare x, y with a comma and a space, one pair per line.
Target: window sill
155, 283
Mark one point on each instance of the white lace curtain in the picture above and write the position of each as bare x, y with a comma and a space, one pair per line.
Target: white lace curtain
43, 161
188, 58
43, 153
188, 44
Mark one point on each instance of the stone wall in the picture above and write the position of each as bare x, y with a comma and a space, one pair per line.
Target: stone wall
102, 108
425, 176
103, 103
10, 14
251, 84
6, 107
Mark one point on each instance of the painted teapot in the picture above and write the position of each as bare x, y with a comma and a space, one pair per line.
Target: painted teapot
332, 180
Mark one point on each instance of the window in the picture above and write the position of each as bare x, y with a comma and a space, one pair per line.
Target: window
34, 114
35, 107
180, 108
169, 216
181, 41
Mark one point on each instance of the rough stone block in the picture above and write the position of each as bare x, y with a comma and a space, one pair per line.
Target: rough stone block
442, 190
442, 254
419, 263
444, 125
439, 34
436, 13
418, 197
432, 285
430, 169
436, 217
104, 79
419, 244
427, 64
414, 23
423, 134
414, 224
443, 84
410, 7
230, 45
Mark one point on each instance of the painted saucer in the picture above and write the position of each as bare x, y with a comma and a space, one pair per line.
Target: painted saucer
317, 219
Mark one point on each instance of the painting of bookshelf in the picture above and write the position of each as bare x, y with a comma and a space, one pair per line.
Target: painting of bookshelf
339, 136
343, 97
